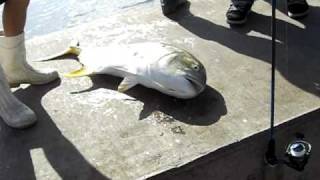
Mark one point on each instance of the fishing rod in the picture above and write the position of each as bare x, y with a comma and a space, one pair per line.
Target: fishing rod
298, 151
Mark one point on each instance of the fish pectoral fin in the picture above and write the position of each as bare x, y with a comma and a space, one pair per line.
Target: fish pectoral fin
83, 71
127, 83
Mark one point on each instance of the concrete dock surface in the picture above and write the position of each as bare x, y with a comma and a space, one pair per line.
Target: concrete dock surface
89, 131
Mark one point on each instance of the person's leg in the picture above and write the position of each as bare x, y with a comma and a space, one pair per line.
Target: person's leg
14, 113
14, 16
14, 68
238, 11
297, 8
12, 47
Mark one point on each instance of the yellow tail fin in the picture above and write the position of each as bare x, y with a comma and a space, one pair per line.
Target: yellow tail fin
78, 73
73, 50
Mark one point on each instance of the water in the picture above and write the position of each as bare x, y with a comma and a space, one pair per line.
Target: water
45, 16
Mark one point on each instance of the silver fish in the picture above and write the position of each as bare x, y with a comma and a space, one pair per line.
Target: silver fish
168, 69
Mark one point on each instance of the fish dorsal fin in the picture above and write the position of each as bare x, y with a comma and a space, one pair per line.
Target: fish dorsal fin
127, 83
83, 71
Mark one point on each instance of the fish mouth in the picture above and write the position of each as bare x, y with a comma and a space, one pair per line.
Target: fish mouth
195, 83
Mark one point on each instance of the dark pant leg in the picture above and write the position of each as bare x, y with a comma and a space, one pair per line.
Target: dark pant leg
2, 1
243, 1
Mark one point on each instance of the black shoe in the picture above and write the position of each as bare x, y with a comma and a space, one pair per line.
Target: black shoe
238, 11
297, 8
170, 6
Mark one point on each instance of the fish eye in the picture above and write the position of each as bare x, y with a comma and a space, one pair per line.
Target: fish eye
196, 67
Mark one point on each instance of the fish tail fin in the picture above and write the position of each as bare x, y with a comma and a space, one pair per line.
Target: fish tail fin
74, 49
83, 71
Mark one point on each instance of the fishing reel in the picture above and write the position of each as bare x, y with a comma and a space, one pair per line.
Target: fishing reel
298, 153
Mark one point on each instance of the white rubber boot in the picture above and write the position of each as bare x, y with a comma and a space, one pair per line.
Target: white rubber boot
14, 113
15, 66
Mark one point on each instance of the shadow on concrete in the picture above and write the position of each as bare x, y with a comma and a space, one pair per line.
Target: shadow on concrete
16, 146
297, 48
203, 110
